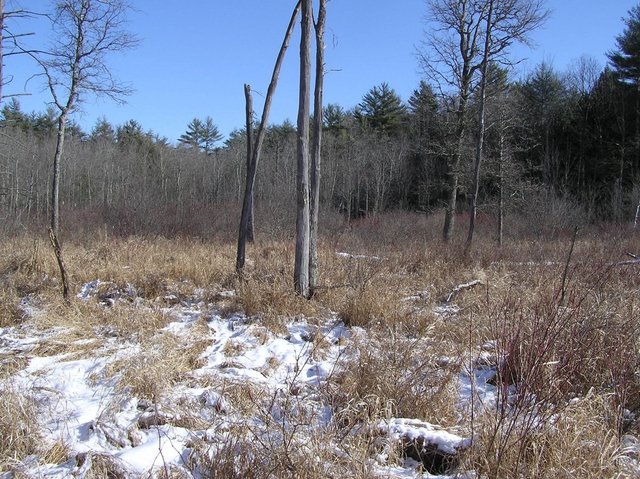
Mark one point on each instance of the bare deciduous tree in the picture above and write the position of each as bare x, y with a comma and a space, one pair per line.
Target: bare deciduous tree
12, 38
86, 32
506, 21
452, 58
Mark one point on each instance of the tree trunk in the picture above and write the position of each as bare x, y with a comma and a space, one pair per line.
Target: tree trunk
454, 174
501, 190
246, 220
481, 129
246, 217
251, 166
1, 50
54, 226
55, 181
316, 148
301, 267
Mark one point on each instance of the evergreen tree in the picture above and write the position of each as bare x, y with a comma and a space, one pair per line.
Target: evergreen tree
44, 122
193, 134
210, 135
201, 134
103, 131
381, 110
334, 118
423, 107
131, 133
423, 125
626, 59
626, 64
545, 112
12, 115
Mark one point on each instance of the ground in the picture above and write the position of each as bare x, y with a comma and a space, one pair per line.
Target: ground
408, 362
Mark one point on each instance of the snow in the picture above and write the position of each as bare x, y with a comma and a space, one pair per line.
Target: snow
82, 405
412, 429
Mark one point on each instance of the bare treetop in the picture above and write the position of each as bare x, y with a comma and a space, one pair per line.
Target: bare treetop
86, 32
451, 53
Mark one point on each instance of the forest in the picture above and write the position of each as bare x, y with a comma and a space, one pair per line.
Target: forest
562, 145
465, 265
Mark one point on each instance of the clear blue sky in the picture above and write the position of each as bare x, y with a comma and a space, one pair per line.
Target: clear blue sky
195, 56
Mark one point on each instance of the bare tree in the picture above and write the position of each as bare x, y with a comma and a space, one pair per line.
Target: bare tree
506, 21
2, 20
301, 267
452, 58
254, 148
86, 32
12, 38
316, 149
481, 125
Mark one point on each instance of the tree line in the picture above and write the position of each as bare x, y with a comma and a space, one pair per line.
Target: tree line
563, 145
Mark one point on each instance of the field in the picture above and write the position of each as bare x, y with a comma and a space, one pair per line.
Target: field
409, 361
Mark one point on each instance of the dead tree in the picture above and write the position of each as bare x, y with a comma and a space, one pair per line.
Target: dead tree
245, 232
316, 150
301, 267
450, 59
10, 37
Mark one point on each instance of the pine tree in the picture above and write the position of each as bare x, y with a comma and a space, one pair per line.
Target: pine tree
103, 131
201, 134
381, 110
192, 137
210, 135
12, 115
626, 59
334, 118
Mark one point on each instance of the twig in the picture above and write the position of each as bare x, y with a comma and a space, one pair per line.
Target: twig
461, 287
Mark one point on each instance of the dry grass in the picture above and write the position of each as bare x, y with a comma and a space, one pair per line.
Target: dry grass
391, 375
580, 442
163, 361
403, 362
100, 466
20, 434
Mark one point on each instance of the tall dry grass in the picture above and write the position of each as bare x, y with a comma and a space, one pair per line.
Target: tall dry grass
577, 356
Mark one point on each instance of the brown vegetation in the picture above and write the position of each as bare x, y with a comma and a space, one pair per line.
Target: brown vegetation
573, 362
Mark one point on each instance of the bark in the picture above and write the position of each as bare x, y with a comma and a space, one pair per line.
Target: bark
246, 218
501, 190
316, 150
454, 171
467, 34
55, 178
481, 130
1, 50
301, 267
57, 250
246, 221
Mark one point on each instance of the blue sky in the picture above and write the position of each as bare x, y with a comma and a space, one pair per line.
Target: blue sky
195, 56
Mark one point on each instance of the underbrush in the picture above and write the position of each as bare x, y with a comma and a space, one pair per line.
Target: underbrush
557, 330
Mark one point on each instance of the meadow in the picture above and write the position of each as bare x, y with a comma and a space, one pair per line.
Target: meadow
410, 360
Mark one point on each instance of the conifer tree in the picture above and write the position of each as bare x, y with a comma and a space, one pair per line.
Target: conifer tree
381, 109
626, 59
201, 134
